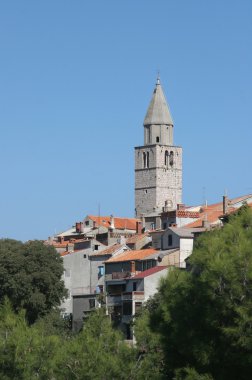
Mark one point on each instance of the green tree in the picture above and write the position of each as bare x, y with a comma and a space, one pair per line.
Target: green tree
26, 353
30, 276
97, 352
148, 343
204, 316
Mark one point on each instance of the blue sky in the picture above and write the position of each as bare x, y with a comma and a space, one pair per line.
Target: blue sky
76, 78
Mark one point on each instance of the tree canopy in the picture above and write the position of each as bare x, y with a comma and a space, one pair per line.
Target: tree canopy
204, 314
30, 276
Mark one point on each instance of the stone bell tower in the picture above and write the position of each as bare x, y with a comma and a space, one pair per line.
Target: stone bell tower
158, 163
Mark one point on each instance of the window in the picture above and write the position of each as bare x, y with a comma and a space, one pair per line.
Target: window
84, 256
127, 308
144, 160
138, 306
166, 158
87, 222
134, 286
100, 271
169, 240
148, 160
157, 139
91, 303
164, 226
171, 161
96, 247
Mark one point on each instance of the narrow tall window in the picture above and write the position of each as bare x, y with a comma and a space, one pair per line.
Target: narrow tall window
169, 240
171, 158
157, 139
166, 158
148, 160
144, 160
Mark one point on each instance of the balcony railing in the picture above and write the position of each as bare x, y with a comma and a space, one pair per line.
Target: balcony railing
133, 296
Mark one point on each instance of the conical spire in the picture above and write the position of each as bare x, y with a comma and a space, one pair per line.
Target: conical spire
158, 111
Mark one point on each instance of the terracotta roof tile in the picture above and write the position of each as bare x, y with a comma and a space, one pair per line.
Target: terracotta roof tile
133, 239
149, 272
132, 255
108, 251
120, 223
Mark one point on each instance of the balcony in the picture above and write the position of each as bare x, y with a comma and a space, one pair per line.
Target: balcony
133, 296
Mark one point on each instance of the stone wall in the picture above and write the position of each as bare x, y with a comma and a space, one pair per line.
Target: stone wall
161, 181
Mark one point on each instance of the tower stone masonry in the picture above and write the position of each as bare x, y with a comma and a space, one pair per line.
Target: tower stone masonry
158, 163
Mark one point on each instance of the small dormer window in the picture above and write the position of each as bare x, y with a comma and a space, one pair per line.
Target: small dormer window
157, 139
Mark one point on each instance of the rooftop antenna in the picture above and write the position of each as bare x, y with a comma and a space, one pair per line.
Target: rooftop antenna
204, 196
99, 216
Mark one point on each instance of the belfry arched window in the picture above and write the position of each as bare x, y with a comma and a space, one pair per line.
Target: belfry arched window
166, 155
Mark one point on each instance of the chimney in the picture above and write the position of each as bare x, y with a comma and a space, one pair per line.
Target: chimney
78, 227
112, 222
180, 206
205, 223
225, 204
121, 240
70, 247
132, 267
138, 227
81, 227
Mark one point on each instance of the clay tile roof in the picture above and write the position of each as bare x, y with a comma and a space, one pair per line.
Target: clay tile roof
119, 223
132, 255
108, 251
187, 214
149, 272
60, 245
133, 239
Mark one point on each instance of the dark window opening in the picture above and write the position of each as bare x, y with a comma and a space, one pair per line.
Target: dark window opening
127, 308
84, 256
148, 160
166, 158
134, 286
138, 306
144, 160
164, 226
157, 139
171, 158
87, 222
169, 240
96, 247
91, 303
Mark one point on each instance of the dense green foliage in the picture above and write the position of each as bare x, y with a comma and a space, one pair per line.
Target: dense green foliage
204, 317
30, 276
98, 352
